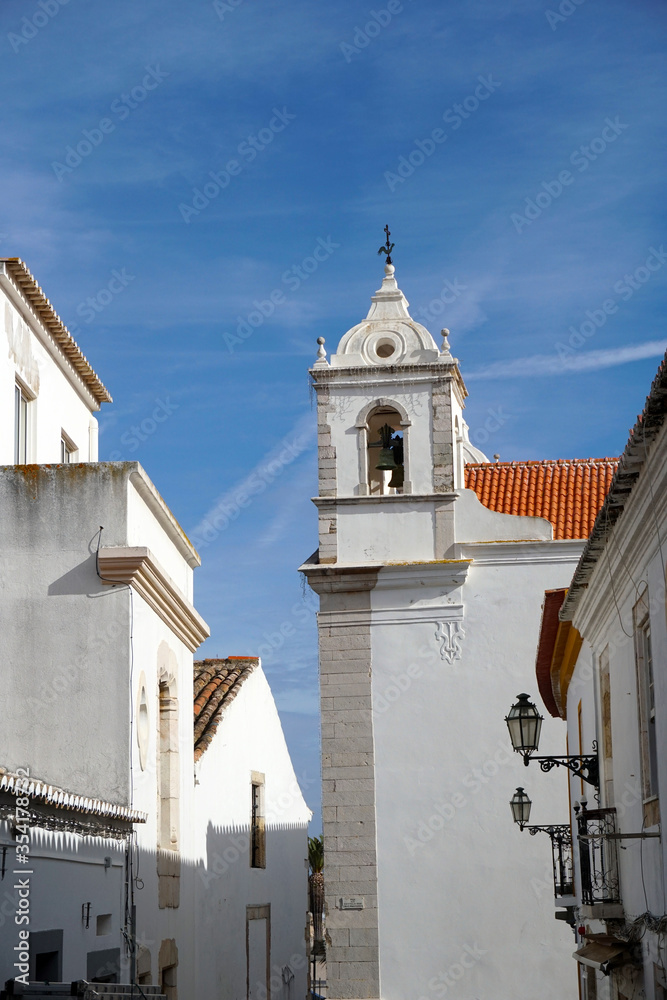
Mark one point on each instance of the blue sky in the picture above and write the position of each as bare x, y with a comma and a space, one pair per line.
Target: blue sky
529, 220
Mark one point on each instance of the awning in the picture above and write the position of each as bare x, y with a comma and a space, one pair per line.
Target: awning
602, 953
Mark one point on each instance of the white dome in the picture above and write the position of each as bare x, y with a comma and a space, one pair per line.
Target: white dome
388, 335
471, 454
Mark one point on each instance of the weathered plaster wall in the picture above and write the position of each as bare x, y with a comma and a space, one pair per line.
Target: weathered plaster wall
65, 634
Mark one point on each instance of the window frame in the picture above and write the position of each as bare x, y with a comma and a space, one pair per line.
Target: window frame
648, 748
21, 423
257, 820
69, 453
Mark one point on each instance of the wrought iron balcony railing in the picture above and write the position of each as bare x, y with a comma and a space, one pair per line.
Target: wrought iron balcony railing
598, 855
561, 856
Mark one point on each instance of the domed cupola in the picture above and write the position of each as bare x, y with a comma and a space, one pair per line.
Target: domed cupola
388, 335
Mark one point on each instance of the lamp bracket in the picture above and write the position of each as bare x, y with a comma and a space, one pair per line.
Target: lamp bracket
584, 767
558, 833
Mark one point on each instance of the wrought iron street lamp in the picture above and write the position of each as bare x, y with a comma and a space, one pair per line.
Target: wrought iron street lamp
520, 805
560, 836
524, 723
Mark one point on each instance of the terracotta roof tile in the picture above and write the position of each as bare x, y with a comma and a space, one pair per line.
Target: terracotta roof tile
569, 492
216, 684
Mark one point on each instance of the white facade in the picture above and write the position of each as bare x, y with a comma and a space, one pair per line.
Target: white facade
430, 609
615, 608
99, 631
263, 909
38, 356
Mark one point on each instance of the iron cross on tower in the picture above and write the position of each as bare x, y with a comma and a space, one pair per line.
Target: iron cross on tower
388, 247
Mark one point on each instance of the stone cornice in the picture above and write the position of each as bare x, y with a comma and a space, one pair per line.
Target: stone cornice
333, 577
503, 553
137, 567
364, 375
395, 498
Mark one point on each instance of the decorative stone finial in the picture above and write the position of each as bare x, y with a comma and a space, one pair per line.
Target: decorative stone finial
388, 247
444, 333
321, 353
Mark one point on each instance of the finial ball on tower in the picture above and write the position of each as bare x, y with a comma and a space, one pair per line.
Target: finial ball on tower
444, 333
321, 353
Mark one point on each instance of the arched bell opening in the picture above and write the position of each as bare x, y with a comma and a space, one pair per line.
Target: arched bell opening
369, 423
385, 452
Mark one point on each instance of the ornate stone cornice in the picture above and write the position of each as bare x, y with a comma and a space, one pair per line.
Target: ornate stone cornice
137, 567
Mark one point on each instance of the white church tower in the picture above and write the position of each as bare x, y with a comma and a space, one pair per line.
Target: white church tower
429, 617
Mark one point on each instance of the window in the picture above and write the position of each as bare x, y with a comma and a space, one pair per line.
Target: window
68, 450
607, 745
20, 426
257, 824
646, 705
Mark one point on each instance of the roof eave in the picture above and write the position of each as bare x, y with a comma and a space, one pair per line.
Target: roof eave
19, 282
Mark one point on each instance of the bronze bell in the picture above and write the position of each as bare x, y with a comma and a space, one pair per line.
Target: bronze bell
387, 462
397, 477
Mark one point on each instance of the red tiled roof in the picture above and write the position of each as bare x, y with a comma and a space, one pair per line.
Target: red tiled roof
217, 682
553, 600
569, 492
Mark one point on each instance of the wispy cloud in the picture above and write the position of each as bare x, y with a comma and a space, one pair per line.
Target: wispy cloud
552, 364
229, 505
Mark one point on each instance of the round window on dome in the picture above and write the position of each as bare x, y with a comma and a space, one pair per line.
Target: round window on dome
385, 349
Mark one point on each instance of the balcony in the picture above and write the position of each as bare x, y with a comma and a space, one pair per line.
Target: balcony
563, 866
598, 863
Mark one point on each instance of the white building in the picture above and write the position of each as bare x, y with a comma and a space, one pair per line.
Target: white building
430, 607
251, 822
601, 666
99, 631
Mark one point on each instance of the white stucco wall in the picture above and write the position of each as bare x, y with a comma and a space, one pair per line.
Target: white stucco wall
249, 738
68, 872
60, 403
65, 634
458, 884
370, 533
157, 649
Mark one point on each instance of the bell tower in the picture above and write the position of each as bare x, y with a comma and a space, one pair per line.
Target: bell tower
429, 604
390, 436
